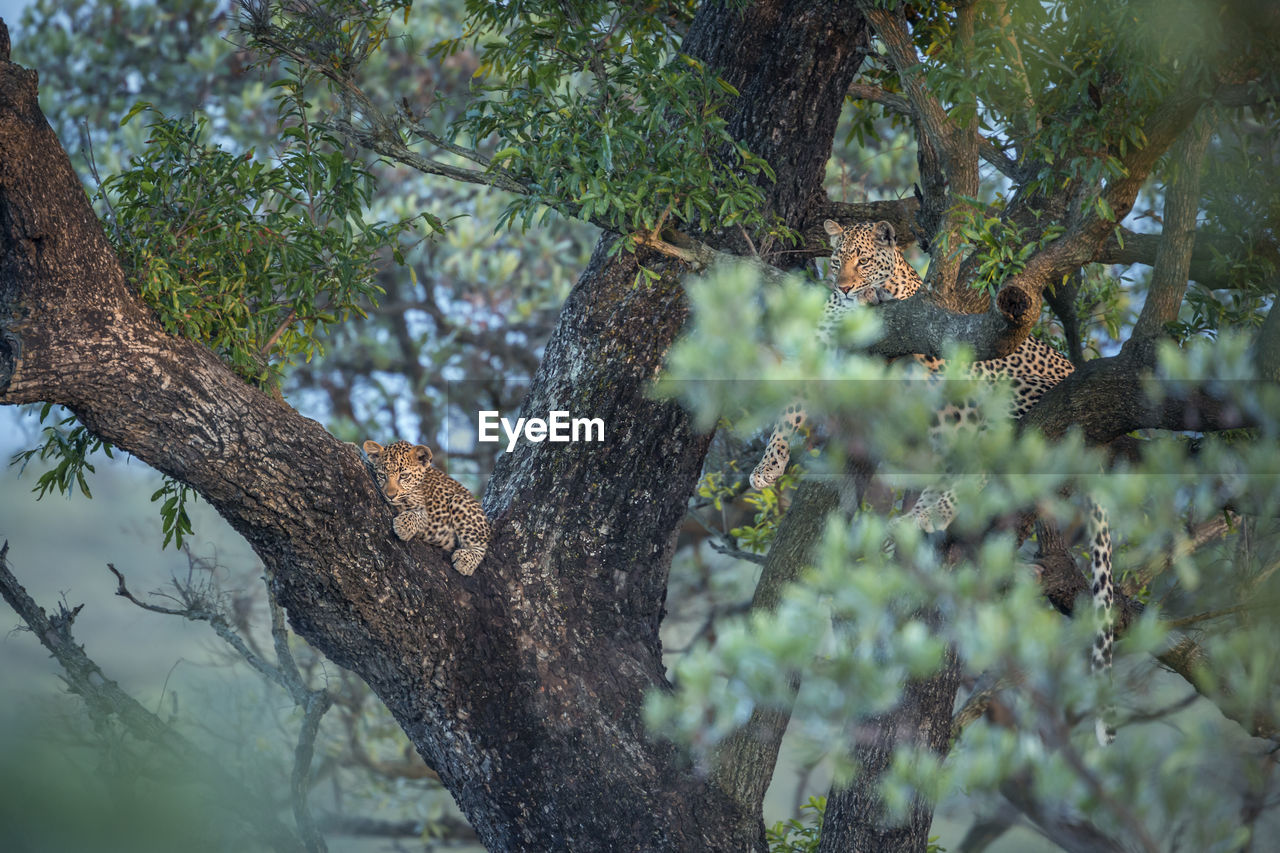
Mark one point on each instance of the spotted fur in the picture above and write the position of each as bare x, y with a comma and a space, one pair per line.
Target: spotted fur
433, 506
867, 268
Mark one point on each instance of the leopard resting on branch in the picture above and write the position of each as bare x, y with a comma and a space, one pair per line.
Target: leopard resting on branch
432, 505
867, 268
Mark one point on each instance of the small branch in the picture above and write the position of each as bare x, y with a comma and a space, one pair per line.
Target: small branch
978, 701
201, 611
280, 640
318, 703
1198, 536
701, 257
876, 95
391, 147
275, 336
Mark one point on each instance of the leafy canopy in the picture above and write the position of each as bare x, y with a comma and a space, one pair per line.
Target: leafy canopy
598, 113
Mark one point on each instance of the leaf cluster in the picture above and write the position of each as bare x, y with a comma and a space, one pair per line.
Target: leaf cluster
599, 114
769, 505
253, 258
798, 835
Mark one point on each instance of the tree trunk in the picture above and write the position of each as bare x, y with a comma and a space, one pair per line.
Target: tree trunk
521, 686
856, 819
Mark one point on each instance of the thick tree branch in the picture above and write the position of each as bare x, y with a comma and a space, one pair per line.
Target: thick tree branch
919, 325
744, 761
1173, 258
450, 656
1108, 397
1142, 248
926, 108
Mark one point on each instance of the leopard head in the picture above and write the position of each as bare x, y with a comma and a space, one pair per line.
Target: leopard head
400, 468
863, 256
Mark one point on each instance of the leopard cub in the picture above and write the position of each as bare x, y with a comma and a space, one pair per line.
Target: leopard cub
433, 506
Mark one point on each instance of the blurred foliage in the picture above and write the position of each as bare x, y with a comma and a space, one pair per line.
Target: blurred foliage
1066, 110
856, 628
57, 793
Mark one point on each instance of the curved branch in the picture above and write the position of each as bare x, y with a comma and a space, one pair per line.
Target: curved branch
920, 325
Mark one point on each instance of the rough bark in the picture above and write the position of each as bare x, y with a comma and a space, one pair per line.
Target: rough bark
856, 818
744, 762
522, 685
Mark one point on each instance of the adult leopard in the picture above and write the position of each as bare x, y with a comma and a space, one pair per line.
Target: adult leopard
868, 268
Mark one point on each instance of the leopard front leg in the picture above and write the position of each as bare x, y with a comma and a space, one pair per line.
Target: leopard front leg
415, 524
778, 451
472, 528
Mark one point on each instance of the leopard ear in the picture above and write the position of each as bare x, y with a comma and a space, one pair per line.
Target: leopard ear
372, 449
832, 228
423, 453
883, 233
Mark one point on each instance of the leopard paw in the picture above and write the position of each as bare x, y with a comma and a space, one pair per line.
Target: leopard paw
465, 560
406, 525
772, 466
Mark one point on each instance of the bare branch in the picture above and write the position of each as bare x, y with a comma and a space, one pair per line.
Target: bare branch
318, 702
1067, 829
200, 609
1197, 537
105, 698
